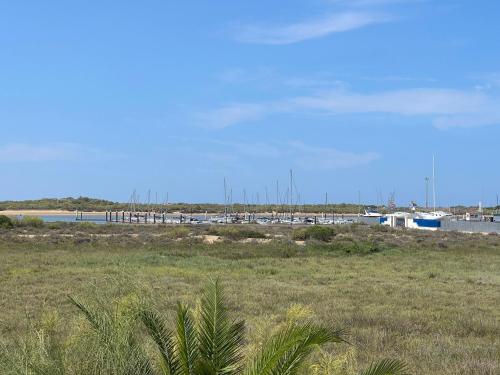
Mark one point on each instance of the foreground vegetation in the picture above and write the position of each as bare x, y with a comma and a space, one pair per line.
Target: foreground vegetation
429, 299
206, 341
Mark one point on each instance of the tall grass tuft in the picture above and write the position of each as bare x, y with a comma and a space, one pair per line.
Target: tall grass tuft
30, 221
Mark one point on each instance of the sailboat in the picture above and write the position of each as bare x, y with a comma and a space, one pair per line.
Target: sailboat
433, 215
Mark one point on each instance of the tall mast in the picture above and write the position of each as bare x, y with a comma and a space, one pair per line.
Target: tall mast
267, 200
277, 193
225, 200
245, 199
326, 204
231, 200
291, 195
434, 182
427, 192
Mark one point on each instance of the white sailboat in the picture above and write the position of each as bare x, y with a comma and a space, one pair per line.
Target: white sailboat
433, 215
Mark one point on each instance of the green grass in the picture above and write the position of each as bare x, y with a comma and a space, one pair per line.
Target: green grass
429, 299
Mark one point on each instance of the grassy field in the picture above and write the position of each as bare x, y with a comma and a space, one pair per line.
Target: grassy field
430, 299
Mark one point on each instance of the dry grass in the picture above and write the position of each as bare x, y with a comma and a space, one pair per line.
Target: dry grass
430, 299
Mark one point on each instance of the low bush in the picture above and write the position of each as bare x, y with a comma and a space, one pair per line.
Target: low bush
87, 225
316, 232
30, 221
55, 226
6, 222
234, 233
177, 232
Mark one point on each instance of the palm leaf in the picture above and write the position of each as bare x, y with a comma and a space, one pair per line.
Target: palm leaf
220, 339
164, 340
294, 358
187, 345
138, 363
286, 351
117, 345
99, 320
386, 367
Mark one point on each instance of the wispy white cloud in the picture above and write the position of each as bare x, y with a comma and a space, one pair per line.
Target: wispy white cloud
445, 107
403, 102
313, 28
232, 114
309, 157
295, 153
268, 78
22, 152
488, 81
299, 154
396, 78
368, 3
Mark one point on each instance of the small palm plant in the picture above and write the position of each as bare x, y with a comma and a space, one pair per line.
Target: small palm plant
213, 344
205, 342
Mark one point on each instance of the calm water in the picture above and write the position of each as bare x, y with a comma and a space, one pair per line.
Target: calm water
101, 219
98, 219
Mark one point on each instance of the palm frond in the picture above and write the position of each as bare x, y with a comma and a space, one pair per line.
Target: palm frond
387, 367
99, 320
187, 345
138, 362
220, 339
163, 338
286, 351
294, 358
114, 337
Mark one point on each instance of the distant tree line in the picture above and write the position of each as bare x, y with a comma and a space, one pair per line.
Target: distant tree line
93, 204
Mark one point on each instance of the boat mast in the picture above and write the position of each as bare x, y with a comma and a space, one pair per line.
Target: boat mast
434, 183
225, 201
326, 204
277, 196
291, 194
427, 193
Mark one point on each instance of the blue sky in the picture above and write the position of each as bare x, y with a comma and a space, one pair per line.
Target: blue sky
99, 98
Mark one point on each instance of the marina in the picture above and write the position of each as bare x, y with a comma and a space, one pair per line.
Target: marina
417, 220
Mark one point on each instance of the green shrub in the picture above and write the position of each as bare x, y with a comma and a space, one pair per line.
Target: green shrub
30, 221
316, 232
55, 225
177, 232
5, 222
299, 234
359, 247
87, 225
234, 233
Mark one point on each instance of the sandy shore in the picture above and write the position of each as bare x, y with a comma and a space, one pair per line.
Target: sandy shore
45, 213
